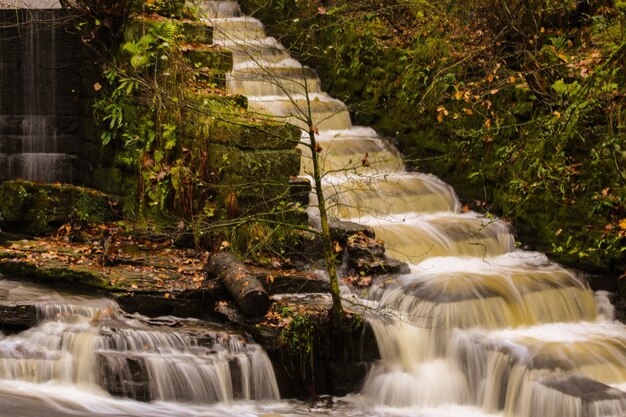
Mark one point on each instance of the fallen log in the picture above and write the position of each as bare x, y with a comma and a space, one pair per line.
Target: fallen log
247, 291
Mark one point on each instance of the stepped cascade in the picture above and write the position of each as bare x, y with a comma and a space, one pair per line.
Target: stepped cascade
90, 344
477, 323
36, 76
476, 328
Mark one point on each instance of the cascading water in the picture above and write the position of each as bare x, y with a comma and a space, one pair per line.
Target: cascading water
89, 346
30, 119
477, 326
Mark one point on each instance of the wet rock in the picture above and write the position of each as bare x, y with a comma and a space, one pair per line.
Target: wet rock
341, 230
360, 245
584, 388
347, 377
385, 266
123, 375
366, 256
17, 316
578, 396
299, 190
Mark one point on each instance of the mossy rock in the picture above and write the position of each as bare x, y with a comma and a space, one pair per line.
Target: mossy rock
273, 166
212, 57
187, 31
54, 273
115, 181
36, 208
212, 104
252, 135
171, 8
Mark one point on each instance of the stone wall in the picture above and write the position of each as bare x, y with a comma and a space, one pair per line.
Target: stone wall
40, 59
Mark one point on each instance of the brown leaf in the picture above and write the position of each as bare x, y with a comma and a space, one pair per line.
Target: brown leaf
365, 160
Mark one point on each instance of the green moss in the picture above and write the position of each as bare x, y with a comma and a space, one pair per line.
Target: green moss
41, 208
54, 274
251, 135
217, 59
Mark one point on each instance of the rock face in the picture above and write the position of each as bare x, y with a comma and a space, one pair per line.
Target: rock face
366, 256
35, 208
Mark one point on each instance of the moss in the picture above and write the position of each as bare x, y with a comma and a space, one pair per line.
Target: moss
54, 273
217, 59
249, 135
254, 166
172, 8
115, 181
41, 208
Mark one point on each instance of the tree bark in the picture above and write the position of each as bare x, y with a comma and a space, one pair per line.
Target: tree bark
247, 291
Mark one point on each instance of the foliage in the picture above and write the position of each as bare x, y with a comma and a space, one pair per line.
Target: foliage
298, 339
165, 119
516, 103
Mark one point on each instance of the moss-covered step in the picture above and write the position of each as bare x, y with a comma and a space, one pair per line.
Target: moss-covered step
184, 31
208, 56
171, 8
274, 166
256, 135
38, 208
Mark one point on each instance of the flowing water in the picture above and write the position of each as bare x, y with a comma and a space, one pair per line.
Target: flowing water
477, 328
477, 322
30, 125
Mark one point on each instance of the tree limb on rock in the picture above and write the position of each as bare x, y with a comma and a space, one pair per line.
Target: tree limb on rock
247, 291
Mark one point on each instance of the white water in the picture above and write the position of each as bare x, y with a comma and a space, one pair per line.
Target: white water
86, 346
477, 322
476, 329
37, 158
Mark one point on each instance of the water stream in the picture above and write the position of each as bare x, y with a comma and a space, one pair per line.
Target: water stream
477, 328
30, 120
477, 322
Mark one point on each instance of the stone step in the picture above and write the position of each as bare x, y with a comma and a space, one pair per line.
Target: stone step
16, 143
267, 79
42, 167
218, 9
13, 124
265, 50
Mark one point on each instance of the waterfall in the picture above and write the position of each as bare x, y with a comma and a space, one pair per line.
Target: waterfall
30, 112
89, 344
477, 323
